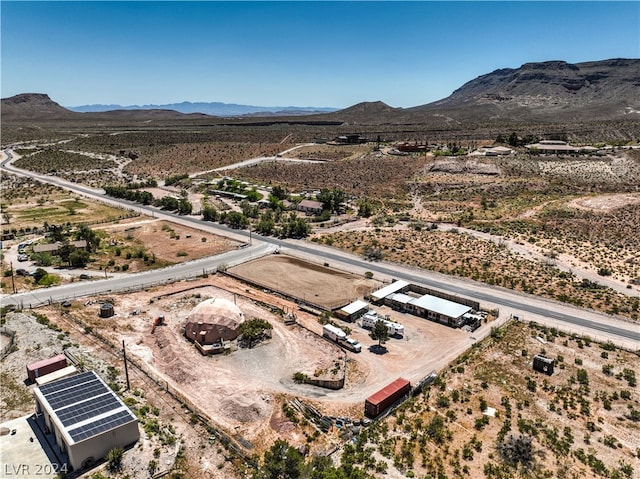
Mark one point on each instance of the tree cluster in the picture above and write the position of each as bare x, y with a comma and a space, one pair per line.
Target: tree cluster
123, 192
331, 199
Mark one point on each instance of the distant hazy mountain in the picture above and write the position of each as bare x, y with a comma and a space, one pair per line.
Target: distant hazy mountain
212, 108
38, 106
548, 92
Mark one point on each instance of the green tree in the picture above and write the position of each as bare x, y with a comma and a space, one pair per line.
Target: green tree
42, 259
236, 220
266, 225
279, 192
184, 206
331, 199
253, 195
79, 258
281, 461
249, 210
90, 236
209, 213
379, 333
365, 209
253, 330
295, 227
39, 274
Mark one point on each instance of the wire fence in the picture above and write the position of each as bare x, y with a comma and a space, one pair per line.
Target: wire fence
201, 416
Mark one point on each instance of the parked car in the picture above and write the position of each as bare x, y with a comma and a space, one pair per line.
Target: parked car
23, 257
22, 272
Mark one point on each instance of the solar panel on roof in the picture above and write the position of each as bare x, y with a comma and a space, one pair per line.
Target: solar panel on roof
92, 407
75, 394
66, 382
101, 425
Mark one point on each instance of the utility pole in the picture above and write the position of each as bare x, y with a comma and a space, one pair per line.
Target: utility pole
13, 283
126, 369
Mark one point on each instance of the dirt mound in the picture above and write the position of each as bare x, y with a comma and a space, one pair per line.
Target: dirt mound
245, 409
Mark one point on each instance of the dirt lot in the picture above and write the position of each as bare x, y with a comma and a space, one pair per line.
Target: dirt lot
169, 242
308, 282
605, 202
243, 392
581, 418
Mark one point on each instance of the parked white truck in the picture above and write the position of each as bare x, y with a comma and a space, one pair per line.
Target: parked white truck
339, 337
370, 319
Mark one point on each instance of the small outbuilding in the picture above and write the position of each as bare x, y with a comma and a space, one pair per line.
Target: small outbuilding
46, 366
352, 311
543, 365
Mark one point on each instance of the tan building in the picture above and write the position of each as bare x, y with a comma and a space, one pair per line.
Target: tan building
84, 418
310, 207
212, 323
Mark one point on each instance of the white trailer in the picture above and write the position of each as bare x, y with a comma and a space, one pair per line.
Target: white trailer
333, 333
370, 319
339, 337
398, 329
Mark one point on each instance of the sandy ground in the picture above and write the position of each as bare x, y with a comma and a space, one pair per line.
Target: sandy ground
242, 391
605, 202
306, 281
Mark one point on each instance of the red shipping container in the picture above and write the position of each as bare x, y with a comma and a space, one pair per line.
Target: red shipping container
380, 401
46, 366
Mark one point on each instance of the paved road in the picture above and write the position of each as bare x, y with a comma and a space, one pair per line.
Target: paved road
559, 314
137, 281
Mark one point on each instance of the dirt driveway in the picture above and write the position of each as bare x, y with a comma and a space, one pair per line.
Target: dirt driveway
243, 391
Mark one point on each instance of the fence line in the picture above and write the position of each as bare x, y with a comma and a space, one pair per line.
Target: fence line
175, 393
12, 338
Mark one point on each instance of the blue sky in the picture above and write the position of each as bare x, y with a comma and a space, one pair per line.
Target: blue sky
293, 53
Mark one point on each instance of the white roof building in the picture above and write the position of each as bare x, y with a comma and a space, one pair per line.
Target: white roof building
86, 418
392, 288
440, 306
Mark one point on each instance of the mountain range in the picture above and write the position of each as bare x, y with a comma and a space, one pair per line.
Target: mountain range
546, 92
212, 108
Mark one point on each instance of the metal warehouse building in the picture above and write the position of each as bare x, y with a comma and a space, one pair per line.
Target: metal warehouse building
352, 311
438, 309
86, 418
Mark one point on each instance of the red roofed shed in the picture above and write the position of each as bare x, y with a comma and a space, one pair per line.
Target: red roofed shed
46, 366
380, 401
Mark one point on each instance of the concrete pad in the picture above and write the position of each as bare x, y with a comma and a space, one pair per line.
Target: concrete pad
25, 453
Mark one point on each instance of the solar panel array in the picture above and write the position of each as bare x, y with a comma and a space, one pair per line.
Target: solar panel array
97, 427
90, 408
66, 382
81, 397
74, 394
